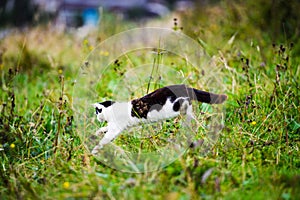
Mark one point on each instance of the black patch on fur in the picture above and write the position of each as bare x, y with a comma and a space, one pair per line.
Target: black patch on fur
107, 103
157, 99
98, 110
177, 105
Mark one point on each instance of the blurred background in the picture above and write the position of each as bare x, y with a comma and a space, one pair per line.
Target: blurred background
277, 18
254, 44
34, 27
74, 13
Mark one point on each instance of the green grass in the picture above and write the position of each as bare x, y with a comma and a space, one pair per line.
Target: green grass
43, 155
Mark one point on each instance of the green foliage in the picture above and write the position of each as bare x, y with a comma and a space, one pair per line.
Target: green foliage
255, 157
27, 60
266, 21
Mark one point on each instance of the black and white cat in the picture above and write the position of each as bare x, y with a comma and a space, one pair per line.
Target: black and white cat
163, 103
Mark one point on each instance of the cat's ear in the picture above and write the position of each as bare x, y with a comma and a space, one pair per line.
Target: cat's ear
95, 105
107, 103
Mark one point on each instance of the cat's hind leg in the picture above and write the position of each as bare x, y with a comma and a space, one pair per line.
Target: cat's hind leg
188, 125
187, 110
189, 115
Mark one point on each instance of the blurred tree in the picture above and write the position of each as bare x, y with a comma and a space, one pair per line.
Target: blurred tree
16, 12
280, 18
267, 21
2, 11
23, 12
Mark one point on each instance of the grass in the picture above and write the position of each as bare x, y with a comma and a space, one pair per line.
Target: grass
256, 156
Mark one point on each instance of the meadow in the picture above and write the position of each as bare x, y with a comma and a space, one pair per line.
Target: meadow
256, 154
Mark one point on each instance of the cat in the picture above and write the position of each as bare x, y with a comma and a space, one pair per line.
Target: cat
163, 103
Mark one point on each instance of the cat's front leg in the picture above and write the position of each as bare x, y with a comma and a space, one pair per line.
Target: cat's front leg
101, 130
108, 137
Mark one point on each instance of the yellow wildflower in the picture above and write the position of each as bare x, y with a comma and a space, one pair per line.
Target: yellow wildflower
66, 185
12, 145
253, 123
104, 53
85, 42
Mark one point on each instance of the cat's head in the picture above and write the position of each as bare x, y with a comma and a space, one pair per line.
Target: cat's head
101, 110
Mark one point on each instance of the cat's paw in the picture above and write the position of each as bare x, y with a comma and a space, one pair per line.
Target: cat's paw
101, 131
96, 149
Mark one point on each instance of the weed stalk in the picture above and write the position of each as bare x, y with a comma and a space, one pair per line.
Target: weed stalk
60, 110
155, 68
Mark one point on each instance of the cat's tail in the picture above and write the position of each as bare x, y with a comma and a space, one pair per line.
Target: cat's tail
206, 97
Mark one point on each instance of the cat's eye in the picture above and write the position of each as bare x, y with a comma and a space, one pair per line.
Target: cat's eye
98, 110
